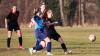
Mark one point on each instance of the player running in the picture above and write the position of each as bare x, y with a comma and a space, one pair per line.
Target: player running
51, 32
11, 23
40, 34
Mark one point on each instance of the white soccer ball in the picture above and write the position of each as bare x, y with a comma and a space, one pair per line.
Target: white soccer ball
92, 37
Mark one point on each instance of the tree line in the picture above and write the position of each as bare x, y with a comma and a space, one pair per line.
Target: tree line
67, 12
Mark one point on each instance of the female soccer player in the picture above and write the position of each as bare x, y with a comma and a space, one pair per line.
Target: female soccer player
40, 34
11, 23
51, 32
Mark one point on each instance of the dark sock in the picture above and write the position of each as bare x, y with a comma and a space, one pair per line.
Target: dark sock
37, 42
34, 48
20, 41
38, 47
64, 47
8, 42
48, 47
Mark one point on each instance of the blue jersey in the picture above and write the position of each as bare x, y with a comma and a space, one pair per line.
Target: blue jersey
40, 34
39, 22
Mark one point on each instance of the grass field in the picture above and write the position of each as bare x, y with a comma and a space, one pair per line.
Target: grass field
75, 39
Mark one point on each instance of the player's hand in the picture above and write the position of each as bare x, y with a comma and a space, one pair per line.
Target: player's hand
55, 22
30, 25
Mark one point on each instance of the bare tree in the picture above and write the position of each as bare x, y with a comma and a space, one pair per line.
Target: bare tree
26, 10
79, 12
61, 4
0, 1
82, 12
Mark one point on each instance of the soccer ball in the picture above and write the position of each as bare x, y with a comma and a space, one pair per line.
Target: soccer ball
92, 37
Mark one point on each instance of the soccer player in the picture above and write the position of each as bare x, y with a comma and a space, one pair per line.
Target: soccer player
40, 34
51, 32
11, 23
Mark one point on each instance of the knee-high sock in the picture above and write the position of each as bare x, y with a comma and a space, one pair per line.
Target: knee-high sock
64, 47
8, 42
20, 41
48, 47
38, 46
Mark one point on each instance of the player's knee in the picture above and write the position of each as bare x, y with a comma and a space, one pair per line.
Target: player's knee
19, 33
61, 40
43, 44
47, 39
9, 34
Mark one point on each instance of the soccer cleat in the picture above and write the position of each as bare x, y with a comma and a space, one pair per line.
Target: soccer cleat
68, 52
21, 47
31, 50
8, 48
34, 51
38, 51
49, 54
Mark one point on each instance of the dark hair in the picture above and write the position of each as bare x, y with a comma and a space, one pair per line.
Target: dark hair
45, 14
12, 7
36, 10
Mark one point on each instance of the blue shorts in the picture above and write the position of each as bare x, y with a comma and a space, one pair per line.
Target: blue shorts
40, 34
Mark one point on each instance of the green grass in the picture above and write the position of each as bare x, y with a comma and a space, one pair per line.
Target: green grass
75, 39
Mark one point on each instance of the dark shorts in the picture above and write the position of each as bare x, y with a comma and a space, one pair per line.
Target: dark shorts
14, 27
53, 35
40, 34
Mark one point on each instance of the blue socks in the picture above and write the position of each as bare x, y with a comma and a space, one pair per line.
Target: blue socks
49, 47
38, 46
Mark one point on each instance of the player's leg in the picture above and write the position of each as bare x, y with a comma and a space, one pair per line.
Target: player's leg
62, 44
43, 44
10, 29
39, 46
9, 39
20, 39
38, 36
58, 38
48, 45
39, 42
66, 51
44, 37
19, 33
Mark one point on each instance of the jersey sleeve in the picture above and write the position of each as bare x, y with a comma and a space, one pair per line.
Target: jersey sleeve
36, 18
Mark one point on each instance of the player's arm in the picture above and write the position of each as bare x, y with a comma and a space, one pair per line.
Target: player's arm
53, 23
6, 23
32, 23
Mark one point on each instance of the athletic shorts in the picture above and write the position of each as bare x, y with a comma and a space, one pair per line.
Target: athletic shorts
12, 27
40, 34
53, 35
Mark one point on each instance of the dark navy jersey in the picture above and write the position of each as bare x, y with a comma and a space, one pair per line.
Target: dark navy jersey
49, 27
50, 30
12, 17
